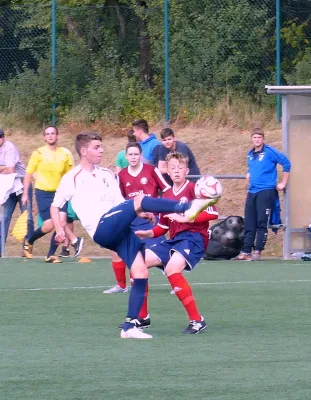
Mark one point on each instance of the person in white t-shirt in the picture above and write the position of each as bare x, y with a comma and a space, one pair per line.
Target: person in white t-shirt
97, 200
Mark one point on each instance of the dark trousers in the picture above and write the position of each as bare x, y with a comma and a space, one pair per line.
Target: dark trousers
257, 213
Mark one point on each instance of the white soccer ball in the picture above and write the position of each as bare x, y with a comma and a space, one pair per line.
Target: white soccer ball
208, 187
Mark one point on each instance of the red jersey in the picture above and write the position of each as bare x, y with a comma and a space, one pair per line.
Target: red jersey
186, 194
147, 181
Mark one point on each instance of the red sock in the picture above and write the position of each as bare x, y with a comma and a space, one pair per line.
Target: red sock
184, 293
144, 308
119, 268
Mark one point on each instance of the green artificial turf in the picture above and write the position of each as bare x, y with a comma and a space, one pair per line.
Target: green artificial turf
60, 342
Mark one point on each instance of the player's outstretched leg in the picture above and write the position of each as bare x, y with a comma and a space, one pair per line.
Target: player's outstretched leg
191, 209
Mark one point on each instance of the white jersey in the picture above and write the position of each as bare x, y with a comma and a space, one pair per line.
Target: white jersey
92, 194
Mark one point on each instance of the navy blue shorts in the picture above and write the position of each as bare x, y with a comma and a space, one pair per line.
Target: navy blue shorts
189, 244
114, 232
44, 202
141, 224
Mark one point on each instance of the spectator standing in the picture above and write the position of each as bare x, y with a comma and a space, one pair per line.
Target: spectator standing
10, 163
121, 160
262, 176
148, 141
170, 145
50, 163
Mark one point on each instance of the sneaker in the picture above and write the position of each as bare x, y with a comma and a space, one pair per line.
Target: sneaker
195, 327
243, 257
256, 255
116, 289
140, 323
172, 291
134, 333
78, 246
52, 260
198, 205
27, 249
65, 252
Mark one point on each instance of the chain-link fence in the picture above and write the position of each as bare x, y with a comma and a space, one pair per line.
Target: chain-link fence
111, 59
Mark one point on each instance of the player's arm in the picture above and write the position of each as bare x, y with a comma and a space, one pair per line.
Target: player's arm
281, 159
63, 194
6, 170
162, 167
160, 229
11, 158
161, 182
31, 168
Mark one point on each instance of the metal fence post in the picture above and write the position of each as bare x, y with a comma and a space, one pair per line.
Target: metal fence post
54, 116
167, 61
278, 58
2, 231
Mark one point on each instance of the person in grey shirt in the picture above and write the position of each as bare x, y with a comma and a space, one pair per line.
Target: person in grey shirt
10, 163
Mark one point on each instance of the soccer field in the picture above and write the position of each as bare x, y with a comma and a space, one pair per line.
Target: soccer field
58, 338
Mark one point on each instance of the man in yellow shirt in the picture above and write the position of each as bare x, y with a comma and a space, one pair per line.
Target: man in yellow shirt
50, 163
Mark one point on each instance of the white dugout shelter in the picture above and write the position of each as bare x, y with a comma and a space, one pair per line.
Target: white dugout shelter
296, 134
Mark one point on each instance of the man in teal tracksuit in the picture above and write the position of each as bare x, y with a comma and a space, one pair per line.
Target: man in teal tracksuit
262, 163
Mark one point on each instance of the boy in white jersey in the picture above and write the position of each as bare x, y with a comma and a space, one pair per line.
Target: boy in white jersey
96, 198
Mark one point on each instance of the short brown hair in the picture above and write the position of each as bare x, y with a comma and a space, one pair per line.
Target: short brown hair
133, 144
141, 124
50, 126
130, 136
177, 156
84, 139
258, 131
166, 132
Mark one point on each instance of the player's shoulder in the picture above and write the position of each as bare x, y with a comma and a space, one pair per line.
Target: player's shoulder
181, 146
74, 172
40, 150
65, 150
106, 172
148, 168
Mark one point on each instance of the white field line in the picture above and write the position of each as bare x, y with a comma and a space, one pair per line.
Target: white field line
158, 285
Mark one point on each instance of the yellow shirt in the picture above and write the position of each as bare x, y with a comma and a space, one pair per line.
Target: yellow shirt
50, 166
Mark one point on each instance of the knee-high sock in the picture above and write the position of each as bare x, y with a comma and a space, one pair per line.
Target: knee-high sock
136, 300
163, 205
53, 246
119, 268
36, 235
143, 313
184, 293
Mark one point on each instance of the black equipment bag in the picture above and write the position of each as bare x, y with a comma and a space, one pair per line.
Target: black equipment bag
226, 240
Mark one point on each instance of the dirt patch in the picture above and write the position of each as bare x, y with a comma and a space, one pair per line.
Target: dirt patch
217, 150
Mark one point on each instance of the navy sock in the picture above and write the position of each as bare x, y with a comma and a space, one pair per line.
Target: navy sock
163, 205
36, 235
136, 300
53, 246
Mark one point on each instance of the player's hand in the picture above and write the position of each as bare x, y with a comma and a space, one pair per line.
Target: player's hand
148, 216
60, 236
24, 198
177, 217
144, 234
280, 187
247, 176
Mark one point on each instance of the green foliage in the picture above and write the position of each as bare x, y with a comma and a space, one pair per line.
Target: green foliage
302, 72
110, 56
28, 95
